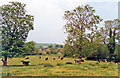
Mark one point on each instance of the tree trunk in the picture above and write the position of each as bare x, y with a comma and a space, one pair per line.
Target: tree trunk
5, 61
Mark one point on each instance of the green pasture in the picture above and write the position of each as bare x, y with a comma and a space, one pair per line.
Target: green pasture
41, 67
44, 44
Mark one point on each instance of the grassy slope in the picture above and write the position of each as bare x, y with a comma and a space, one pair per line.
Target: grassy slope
44, 44
36, 68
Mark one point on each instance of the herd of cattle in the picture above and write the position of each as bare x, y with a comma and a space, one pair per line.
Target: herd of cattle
61, 58
103, 59
79, 61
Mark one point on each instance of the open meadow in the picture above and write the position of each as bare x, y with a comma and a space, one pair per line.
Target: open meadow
57, 67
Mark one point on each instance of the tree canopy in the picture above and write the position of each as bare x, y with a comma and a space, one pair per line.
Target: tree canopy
16, 25
79, 21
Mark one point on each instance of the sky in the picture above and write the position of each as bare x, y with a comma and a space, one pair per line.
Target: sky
48, 16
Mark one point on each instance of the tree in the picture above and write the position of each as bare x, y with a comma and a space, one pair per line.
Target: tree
56, 45
0, 45
50, 46
61, 46
48, 51
30, 48
16, 25
79, 20
53, 50
111, 32
68, 50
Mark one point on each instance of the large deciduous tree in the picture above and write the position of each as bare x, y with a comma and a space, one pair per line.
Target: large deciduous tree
110, 35
16, 25
79, 21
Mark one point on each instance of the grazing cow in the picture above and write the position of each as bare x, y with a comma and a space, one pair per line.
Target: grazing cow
116, 60
79, 62
105, 60
99, 60
73, 55
82, 60
76, 61
25, 62
40, 54
53, 58
62, 58
59, 57
110, 60
2, 60
40, 57
80, 57
27, 58
46, 58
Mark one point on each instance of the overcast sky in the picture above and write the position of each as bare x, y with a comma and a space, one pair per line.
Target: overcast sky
48, 15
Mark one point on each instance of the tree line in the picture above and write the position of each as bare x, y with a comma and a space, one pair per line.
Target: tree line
85, 36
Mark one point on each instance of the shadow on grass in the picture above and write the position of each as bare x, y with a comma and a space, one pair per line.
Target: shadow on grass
17, 65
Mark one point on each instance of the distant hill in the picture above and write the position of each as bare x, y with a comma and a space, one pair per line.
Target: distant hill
44, 44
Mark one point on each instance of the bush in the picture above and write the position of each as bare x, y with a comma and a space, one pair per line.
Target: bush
59, 53
48, 65
76, 55
59, 64
68, 63
44, 53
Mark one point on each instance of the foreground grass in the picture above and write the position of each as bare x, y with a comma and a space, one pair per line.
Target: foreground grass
40, 67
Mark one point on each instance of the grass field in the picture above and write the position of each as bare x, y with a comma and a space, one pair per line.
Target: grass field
40, 67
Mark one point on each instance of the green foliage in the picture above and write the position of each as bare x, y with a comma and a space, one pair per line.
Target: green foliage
48, 51
53, 50
99, 42
61, 46
68, 50
56, 45
79, 21
59, 53
16, 25
110, 30
102, 51
44, 44
50, 46
30, 48
117, 49
44, 53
